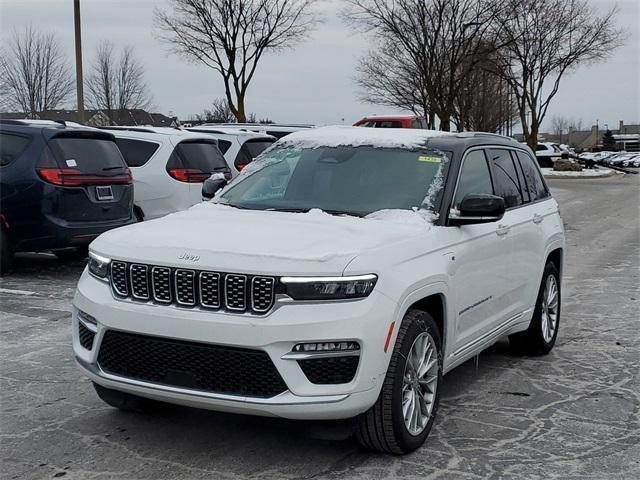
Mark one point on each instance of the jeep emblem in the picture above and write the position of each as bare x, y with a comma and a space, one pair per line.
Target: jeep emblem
189, 257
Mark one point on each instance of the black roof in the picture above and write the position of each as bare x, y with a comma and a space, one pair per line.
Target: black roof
53, 129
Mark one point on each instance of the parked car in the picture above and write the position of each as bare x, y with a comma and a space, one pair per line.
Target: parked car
277, 130
61, 186
168, 167
340, 275
239, 146
547, 153
392, 121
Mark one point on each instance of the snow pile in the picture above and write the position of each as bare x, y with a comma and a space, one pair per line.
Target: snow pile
342, 136
585, 173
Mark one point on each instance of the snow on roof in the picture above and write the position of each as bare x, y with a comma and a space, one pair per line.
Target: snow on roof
339, 136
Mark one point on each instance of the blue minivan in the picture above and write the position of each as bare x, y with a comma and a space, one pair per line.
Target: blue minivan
60, 187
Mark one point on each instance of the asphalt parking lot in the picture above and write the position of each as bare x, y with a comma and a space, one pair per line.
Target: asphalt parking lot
573, 414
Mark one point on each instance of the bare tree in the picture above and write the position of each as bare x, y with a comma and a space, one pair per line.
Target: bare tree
116, 83
543, 40
560, 125
36, 75
219, 113
232, 36
438, 41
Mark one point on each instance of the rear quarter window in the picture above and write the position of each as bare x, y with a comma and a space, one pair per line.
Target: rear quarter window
136, 153
11, 147
533, 178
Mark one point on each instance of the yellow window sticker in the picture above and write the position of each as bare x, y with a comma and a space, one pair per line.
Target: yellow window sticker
429, 159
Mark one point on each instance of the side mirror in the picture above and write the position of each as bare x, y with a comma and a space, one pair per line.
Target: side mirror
211, 186
477, 208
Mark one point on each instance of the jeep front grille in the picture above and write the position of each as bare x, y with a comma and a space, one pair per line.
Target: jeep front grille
191, 288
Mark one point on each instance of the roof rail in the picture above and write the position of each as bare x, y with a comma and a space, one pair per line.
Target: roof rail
128, 129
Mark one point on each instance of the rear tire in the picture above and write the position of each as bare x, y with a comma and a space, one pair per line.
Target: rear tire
542, 333
383, 427
6, 252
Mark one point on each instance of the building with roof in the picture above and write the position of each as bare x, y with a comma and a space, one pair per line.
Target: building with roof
627, 137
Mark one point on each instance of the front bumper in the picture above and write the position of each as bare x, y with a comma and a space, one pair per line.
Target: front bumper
366, 321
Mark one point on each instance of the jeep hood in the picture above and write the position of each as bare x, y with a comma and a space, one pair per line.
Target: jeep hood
216, 237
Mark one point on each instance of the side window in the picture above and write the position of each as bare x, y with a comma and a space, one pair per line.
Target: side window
224, 145
526, 198
136, 152
506, 177
475, 177
11, 147
535, 185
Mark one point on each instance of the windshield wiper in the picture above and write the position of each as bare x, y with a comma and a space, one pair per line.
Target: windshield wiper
343, 212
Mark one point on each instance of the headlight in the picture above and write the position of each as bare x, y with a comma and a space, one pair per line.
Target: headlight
329, 288
99, 266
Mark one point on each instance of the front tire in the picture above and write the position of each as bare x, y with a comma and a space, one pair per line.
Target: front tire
401, 419
542, 333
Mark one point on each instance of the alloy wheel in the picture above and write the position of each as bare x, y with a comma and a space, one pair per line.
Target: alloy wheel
549, 308
419, 384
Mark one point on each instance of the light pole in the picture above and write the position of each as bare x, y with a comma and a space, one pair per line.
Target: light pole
79, 81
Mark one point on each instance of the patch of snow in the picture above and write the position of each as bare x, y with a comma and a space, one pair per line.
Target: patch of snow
343, 136
419, 217
586, 173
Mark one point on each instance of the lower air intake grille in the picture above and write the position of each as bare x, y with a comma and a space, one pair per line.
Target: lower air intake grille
197, 366
86, 336
330, 371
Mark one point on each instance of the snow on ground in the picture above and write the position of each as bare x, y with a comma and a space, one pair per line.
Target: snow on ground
585, 173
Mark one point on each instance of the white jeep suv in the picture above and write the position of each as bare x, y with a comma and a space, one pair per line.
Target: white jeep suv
339, 275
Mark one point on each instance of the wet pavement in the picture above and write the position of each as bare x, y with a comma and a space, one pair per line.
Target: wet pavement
573, 414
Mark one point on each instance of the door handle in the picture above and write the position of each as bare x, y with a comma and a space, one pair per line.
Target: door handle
502, 230
537, 219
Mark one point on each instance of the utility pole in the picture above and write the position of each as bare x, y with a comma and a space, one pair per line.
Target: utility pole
79, 81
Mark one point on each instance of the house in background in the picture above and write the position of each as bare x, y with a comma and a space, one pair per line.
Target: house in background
102, 118
627, 137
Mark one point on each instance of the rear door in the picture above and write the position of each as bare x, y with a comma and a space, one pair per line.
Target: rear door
516, 225
86, 178
537, 216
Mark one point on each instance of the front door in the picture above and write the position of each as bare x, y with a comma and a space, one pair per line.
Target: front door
482, 253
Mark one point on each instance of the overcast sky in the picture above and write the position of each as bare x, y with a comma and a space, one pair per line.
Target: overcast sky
312, 83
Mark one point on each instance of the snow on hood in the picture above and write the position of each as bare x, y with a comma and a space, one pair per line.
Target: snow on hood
261, 242
340, 136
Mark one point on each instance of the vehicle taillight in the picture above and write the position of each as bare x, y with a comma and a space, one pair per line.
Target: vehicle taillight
70, 177
240, 166
189, 175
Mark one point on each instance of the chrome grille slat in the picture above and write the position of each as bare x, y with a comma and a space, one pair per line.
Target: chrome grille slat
209, 288
138, 276
231, 292
161, 284
235, 292
119, 278
185, 283
262, 293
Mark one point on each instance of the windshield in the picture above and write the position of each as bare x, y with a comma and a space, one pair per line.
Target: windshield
340, 180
